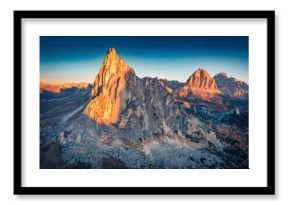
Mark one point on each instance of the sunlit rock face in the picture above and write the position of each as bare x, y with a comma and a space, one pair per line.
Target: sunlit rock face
200, 79
200, 84
108, 86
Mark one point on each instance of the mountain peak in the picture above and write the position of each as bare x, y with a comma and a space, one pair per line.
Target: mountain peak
221, 75
231, 86
199, 84
201, 79
108, 86
200, 72
113, 64
112, 51
112, 54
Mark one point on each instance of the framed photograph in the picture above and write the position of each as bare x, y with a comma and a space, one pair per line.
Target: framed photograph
144, 102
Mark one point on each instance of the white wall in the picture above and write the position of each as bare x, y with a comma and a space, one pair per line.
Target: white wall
282, 98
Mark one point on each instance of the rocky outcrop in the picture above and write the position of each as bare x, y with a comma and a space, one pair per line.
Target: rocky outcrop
231, 87
107, 89
201, 85
201, 80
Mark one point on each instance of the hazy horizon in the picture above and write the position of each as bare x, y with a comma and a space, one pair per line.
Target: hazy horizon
68, 59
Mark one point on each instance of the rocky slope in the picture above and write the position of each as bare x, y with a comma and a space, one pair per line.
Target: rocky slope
231, 86
171, 85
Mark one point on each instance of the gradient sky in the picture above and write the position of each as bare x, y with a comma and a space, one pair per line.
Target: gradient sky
79, 58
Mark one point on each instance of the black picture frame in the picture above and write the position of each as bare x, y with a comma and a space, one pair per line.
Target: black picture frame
268, 190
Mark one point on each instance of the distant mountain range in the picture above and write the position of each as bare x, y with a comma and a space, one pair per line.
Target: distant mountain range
56, 88
123, 121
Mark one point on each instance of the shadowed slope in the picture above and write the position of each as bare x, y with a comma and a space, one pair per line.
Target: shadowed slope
231, 86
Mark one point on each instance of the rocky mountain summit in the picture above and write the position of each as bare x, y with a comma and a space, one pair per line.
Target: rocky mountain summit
123, 121
231, 86
200, 85
201, 79
107, 90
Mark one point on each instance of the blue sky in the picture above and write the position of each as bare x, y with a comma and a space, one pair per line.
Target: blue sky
79, 58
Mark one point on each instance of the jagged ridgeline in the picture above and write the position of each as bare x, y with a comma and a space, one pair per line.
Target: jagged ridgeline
123, 121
